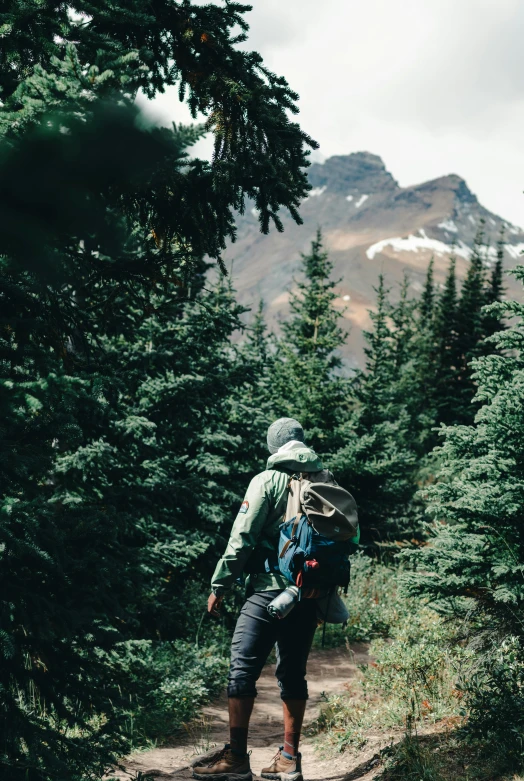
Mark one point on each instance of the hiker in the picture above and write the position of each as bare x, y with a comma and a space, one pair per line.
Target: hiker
254, 540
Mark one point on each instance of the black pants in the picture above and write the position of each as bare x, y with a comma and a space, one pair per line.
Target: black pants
256, 633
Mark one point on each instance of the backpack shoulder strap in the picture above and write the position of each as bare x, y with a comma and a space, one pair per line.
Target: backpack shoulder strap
294, 510
294, 505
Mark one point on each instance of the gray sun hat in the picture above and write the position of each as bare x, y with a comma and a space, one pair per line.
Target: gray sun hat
284, 430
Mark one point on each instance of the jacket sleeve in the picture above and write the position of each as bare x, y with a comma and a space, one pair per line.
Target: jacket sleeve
246, 530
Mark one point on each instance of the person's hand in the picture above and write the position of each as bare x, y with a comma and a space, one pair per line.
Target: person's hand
214, 604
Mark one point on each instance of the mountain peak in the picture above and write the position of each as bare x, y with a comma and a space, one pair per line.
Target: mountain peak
356, 173
453, 183
370, 226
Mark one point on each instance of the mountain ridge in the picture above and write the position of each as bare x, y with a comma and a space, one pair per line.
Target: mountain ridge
370, 225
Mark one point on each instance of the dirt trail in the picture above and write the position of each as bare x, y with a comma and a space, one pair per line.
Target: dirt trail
328, 671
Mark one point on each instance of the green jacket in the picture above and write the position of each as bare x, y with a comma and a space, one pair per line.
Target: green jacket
257, 523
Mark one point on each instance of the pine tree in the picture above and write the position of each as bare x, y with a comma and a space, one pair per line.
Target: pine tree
445, 329
461, 328
422, 369
251, 401
418, 374
427, 301
470, 331
495, 291
306, 383
374, 385
473, 568
376, 462
173, 448
106, 223
259, 152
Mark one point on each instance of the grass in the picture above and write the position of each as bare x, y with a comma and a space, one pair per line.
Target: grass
412, 678
410, 697
444, 756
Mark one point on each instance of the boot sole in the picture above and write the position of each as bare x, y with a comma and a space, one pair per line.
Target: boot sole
296, 776
224, 776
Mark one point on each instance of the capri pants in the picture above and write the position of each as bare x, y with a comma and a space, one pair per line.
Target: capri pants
256, 633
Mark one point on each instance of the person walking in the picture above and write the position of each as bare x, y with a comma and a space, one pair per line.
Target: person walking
253, 538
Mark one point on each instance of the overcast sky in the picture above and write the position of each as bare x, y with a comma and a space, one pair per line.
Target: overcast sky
432, 86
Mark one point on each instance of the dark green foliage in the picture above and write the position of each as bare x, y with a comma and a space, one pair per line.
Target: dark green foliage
103, 528
478, 495
168, 682
130, 421
445, 329
495, 702
250, 410
495, 291
376, 461
305, 381
258, 152
417, 376
427, 300
118, 463
469, 333
474, 566
377, 429
462, 326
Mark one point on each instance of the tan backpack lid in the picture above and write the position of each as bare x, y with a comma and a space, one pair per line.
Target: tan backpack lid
330, 509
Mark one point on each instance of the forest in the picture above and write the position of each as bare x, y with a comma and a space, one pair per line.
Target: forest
135, 395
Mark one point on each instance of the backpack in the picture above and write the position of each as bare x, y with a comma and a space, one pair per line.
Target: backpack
316, 534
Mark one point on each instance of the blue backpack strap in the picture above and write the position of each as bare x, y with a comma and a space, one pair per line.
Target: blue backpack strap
294, 530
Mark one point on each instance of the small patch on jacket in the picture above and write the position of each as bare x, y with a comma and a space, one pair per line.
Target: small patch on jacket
244, 507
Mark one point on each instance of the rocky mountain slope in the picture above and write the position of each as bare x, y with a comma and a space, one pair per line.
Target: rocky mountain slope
370, 224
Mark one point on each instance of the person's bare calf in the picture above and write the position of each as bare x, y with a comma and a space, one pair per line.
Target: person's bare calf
240, 710
286, 765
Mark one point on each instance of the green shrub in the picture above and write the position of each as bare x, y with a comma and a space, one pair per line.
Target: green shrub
373, 603
413, 669
443, 756
410, 761
169, 683
494, 695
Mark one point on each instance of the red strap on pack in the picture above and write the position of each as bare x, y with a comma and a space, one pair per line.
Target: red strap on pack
312, 564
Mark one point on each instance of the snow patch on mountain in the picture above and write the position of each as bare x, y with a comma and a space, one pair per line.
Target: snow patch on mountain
448, 225
413, 243
316, 191
361, 200
349, 197
515, 250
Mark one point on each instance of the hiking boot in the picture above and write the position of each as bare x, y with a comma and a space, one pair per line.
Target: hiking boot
284, 769
225, 766
210, 756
